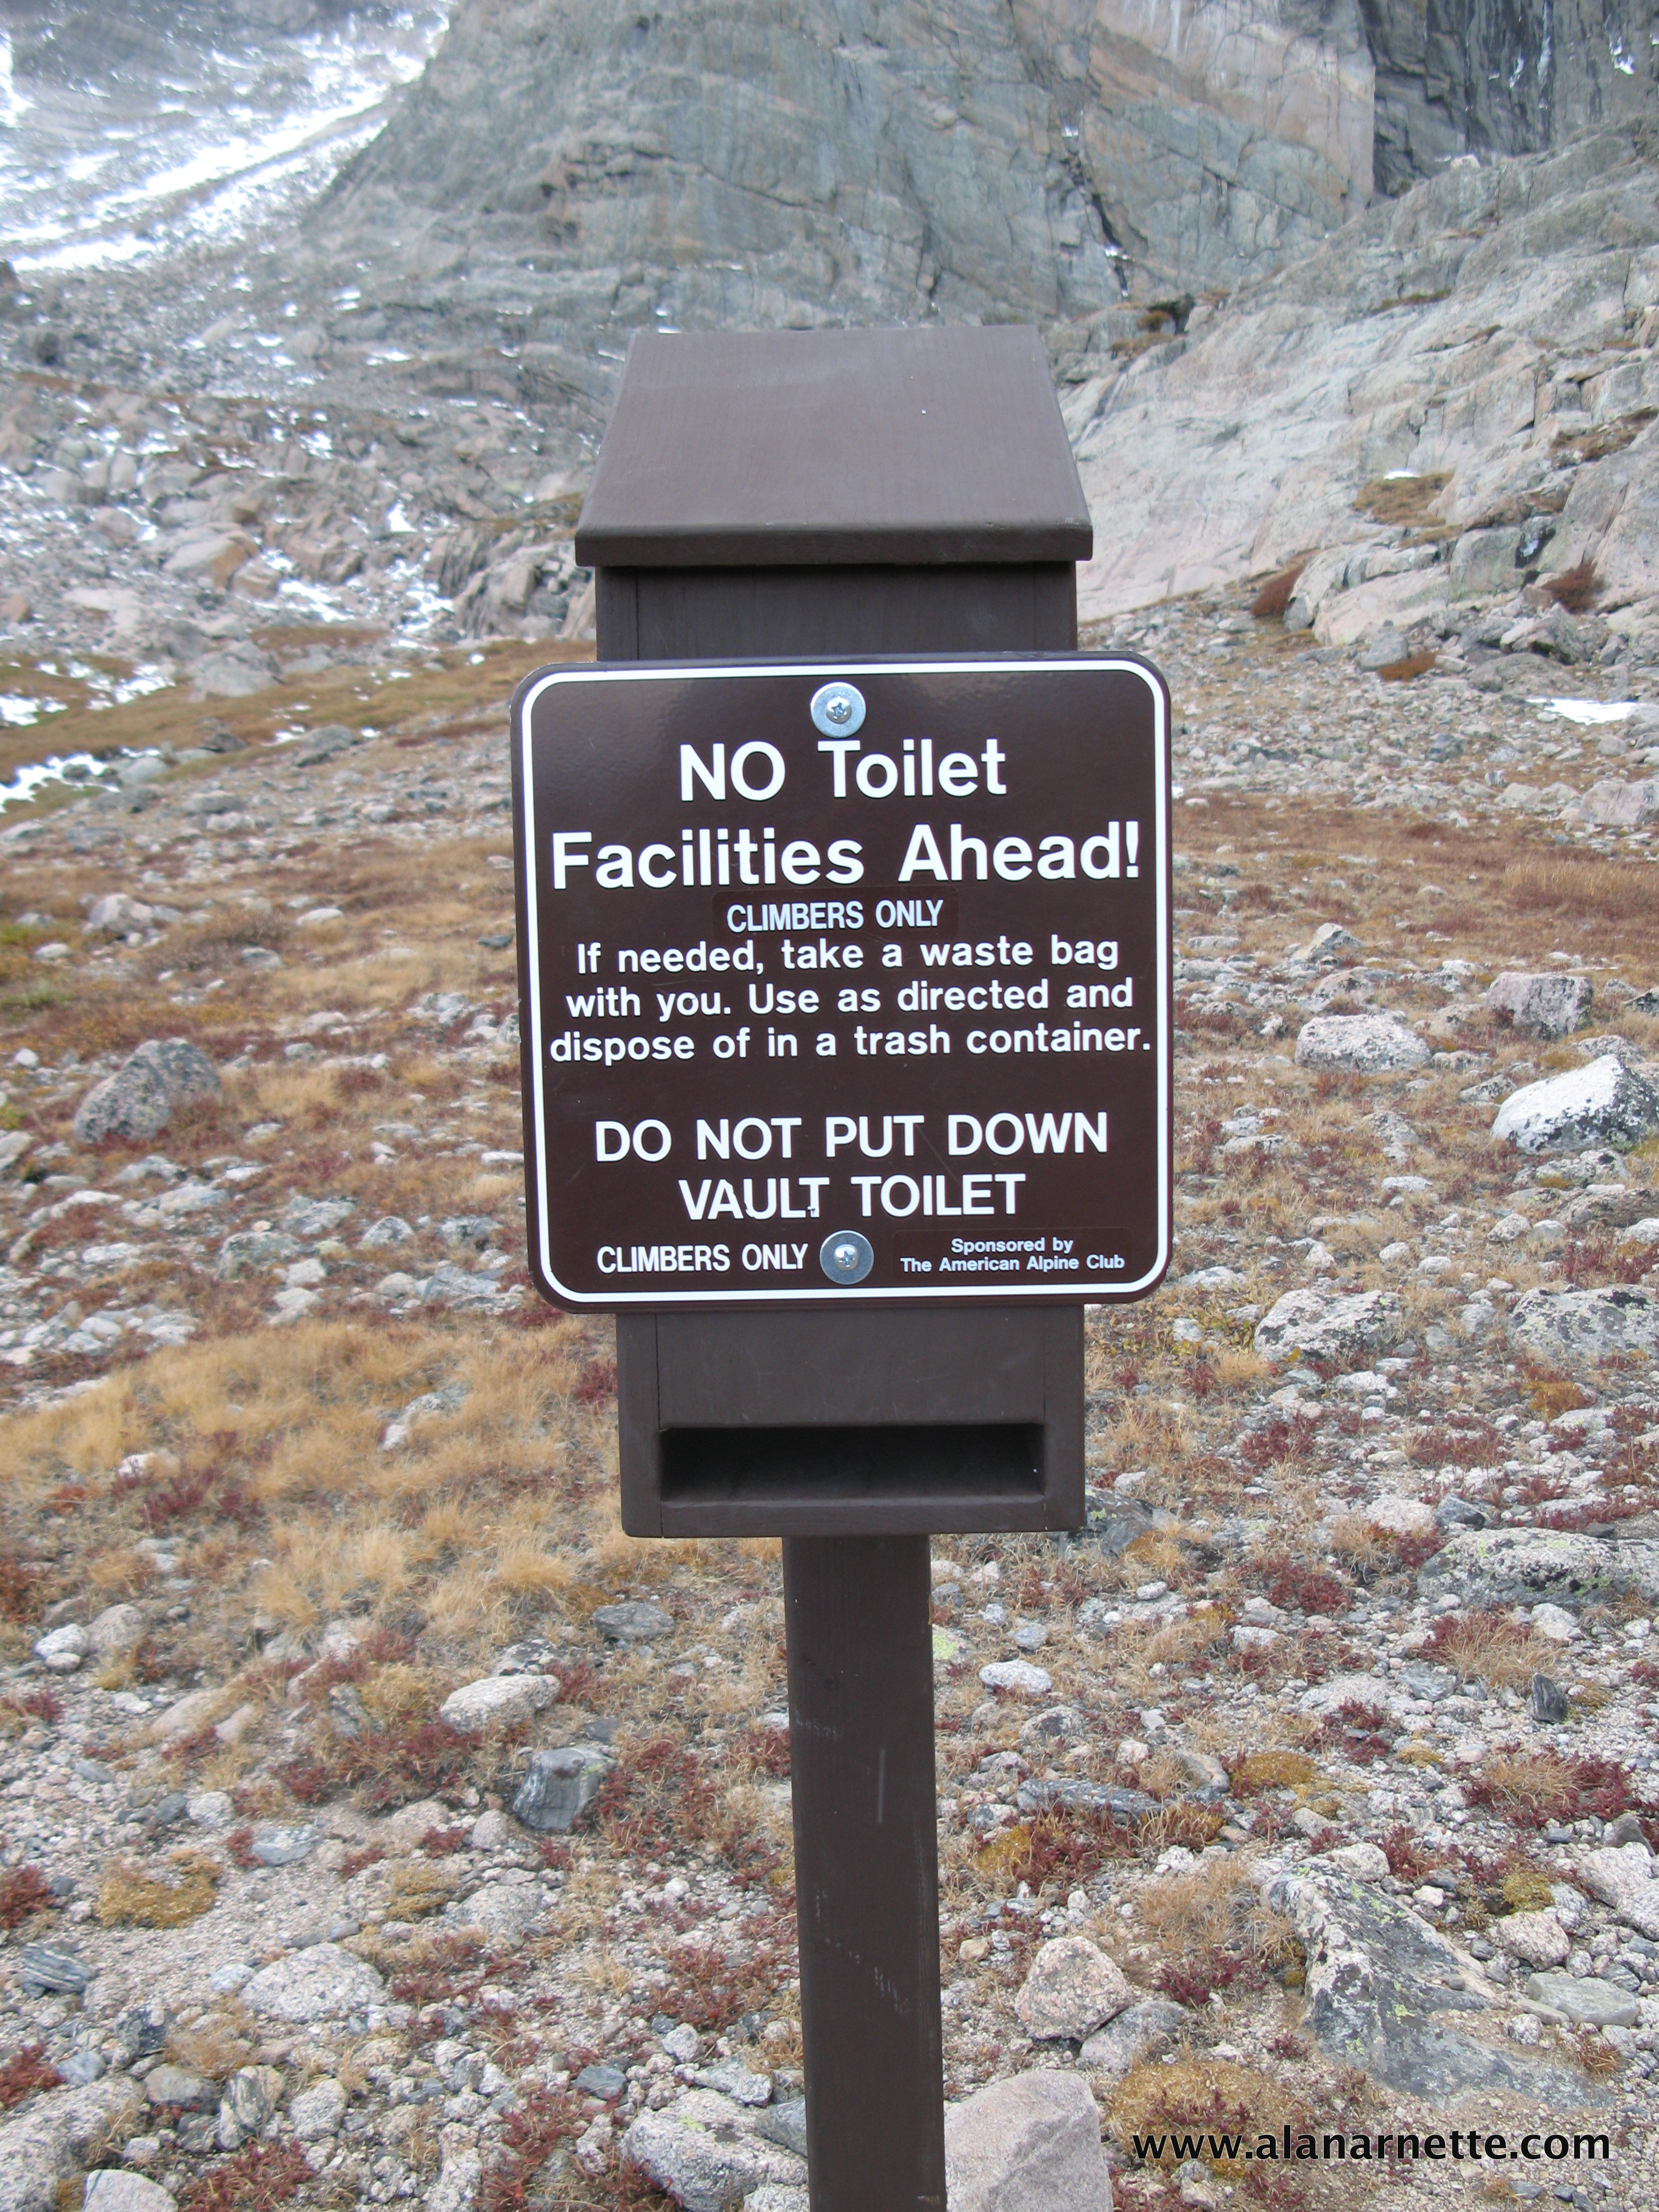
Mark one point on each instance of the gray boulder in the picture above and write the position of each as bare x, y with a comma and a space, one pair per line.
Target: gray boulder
322, 1982
634, 1621
1380, 1986
1359, 1044
1307, 1324
1533, 1566
559, 1786
706, 2153
1581, 1329
1071, 1989
1616, 805
1605, 1103
1031, 2144
141, 1098
1542, 1005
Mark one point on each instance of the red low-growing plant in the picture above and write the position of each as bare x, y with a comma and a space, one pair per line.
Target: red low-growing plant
259, 2177
23, 1892
1276, 1439
1190, 1981
24, 2072
1296, 1586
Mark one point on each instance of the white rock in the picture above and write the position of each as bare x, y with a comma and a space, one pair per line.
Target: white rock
317, 2111
322, 1982
1622, 1877
1537, 1939
109, 2190
1072, 1987
1400, 1516
1602, 1104
1246, 1639
504, 1911
1309, 1324
1555, 1622
1359, 1044
498, 1701
1365, 1862
1019, 1676
210, 1808
61, 1650
491, 1832
1542, 1005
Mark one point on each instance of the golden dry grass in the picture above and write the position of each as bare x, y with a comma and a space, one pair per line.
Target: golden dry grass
129, 1898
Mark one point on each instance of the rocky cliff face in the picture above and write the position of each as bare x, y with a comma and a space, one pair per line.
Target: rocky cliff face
570, 166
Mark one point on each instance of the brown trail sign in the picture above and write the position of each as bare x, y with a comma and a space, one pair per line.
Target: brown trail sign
846, 978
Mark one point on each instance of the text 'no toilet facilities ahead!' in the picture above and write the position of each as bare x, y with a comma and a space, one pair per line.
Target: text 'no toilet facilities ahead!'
846, 980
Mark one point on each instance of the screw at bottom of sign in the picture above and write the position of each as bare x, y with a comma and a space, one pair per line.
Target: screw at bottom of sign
846, 1257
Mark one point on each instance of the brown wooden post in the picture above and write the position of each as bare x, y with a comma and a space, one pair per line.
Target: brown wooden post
867, 1869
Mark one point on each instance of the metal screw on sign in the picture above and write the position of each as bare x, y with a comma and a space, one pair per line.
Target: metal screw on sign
838, 709
846, 1257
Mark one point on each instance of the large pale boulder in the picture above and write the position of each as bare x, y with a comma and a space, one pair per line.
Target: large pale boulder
1542, 1005
1359, 1044
1307, 1324
1603, 1103
1031, 2144
144, 1093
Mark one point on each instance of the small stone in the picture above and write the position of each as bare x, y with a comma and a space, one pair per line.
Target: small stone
503, 1913
606, 2081
250, 2096
1555, 1622
635, 1621
1309, 1324
211, 1808
1072, 1987
559, 1786
116, 1631
111, 2191
177, 2086
705, 2162
1366, 1863
317, 2111
1622, 1877
498, 1701
1537, 1939
1056, 1724
682, 2044
281, 1847
491, 1832
230, 1981
61, 1650
1400, 1517
1019, 1676
322, 1982
1031, 2144
44, 1971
